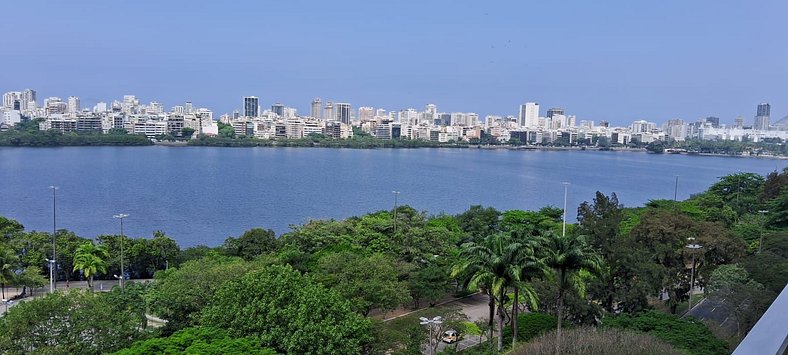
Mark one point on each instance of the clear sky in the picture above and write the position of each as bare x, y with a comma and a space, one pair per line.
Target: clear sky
600, 60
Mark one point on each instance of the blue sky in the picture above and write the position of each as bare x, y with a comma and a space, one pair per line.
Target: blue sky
601, 60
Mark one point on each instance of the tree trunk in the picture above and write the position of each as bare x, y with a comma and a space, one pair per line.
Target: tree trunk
3, 287
90, 282
514, 317
492, 314
560, 318
500, 327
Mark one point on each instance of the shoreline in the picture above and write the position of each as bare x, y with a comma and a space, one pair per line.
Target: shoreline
180, 144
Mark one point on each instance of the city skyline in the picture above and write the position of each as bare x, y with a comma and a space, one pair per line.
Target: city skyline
675, 59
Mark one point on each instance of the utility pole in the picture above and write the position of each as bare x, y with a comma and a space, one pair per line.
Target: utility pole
563, 228
121, 216
692, 247
396, 194
53, 265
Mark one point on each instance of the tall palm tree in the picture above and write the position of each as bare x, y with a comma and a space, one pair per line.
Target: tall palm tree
491, 264
567, 256
532, 266
90, 259
8, 263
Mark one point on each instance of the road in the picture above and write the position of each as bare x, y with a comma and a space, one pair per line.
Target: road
713, 311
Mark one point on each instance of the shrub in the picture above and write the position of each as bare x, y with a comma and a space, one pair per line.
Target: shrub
198, 341
691, 336
529, 326
593, 341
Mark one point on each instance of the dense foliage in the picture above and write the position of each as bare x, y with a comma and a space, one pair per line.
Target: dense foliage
54, 138
204, 341
691, 336
76, 322
288, 312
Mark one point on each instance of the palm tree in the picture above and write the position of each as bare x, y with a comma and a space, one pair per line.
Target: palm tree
491, 264
90, 259
567, 256
8, 261
531, 266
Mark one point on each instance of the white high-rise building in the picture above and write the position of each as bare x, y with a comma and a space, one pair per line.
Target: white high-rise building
12, 99
100, 107
317, 107
529, 115
189, 108
73, 104
28, 99
328, 112
366, 114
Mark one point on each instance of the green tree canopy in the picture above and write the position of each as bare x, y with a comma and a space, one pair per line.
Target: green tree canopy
288, 312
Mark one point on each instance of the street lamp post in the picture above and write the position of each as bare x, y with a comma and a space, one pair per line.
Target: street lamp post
53, 273
430, 323
676, 189
763, 225
396, 195
51, 278
692, 248
120, 280
563, 228
121, 216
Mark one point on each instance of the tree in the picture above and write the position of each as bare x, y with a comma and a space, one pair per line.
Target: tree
289, 313
744, 299
254, 242
656, 147
74, 322
187, 132
368, 282
531, 267
479, 222
740, 191
31, 277
179, 294
90, 259
491, 264
8, 266
568, 256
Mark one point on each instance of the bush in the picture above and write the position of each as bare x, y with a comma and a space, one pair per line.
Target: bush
198, 341
529, 326
693, 337
593, 341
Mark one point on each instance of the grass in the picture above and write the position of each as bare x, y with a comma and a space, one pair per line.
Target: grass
597, 341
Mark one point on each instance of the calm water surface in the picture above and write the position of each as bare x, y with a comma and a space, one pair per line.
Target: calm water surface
201, 195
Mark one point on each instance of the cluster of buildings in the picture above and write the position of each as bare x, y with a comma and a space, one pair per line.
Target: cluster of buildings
341, 119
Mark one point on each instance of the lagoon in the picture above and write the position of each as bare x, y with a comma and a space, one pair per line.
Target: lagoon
202, 195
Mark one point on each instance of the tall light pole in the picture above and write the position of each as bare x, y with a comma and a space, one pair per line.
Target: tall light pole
121, 216
563, 228
396, 195
676, 189
763, 226
692, 247
53, 266
430, 323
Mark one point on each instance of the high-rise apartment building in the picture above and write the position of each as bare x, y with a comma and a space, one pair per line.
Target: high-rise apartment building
251, 106
343, 112
73, 104
555, 111
28, 99
715, 121
189, 108
11, 100
762, 116
317, 107
278, 109
328, 112
366, 114
529, 115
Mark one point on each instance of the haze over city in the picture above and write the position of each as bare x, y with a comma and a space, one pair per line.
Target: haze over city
621, 62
